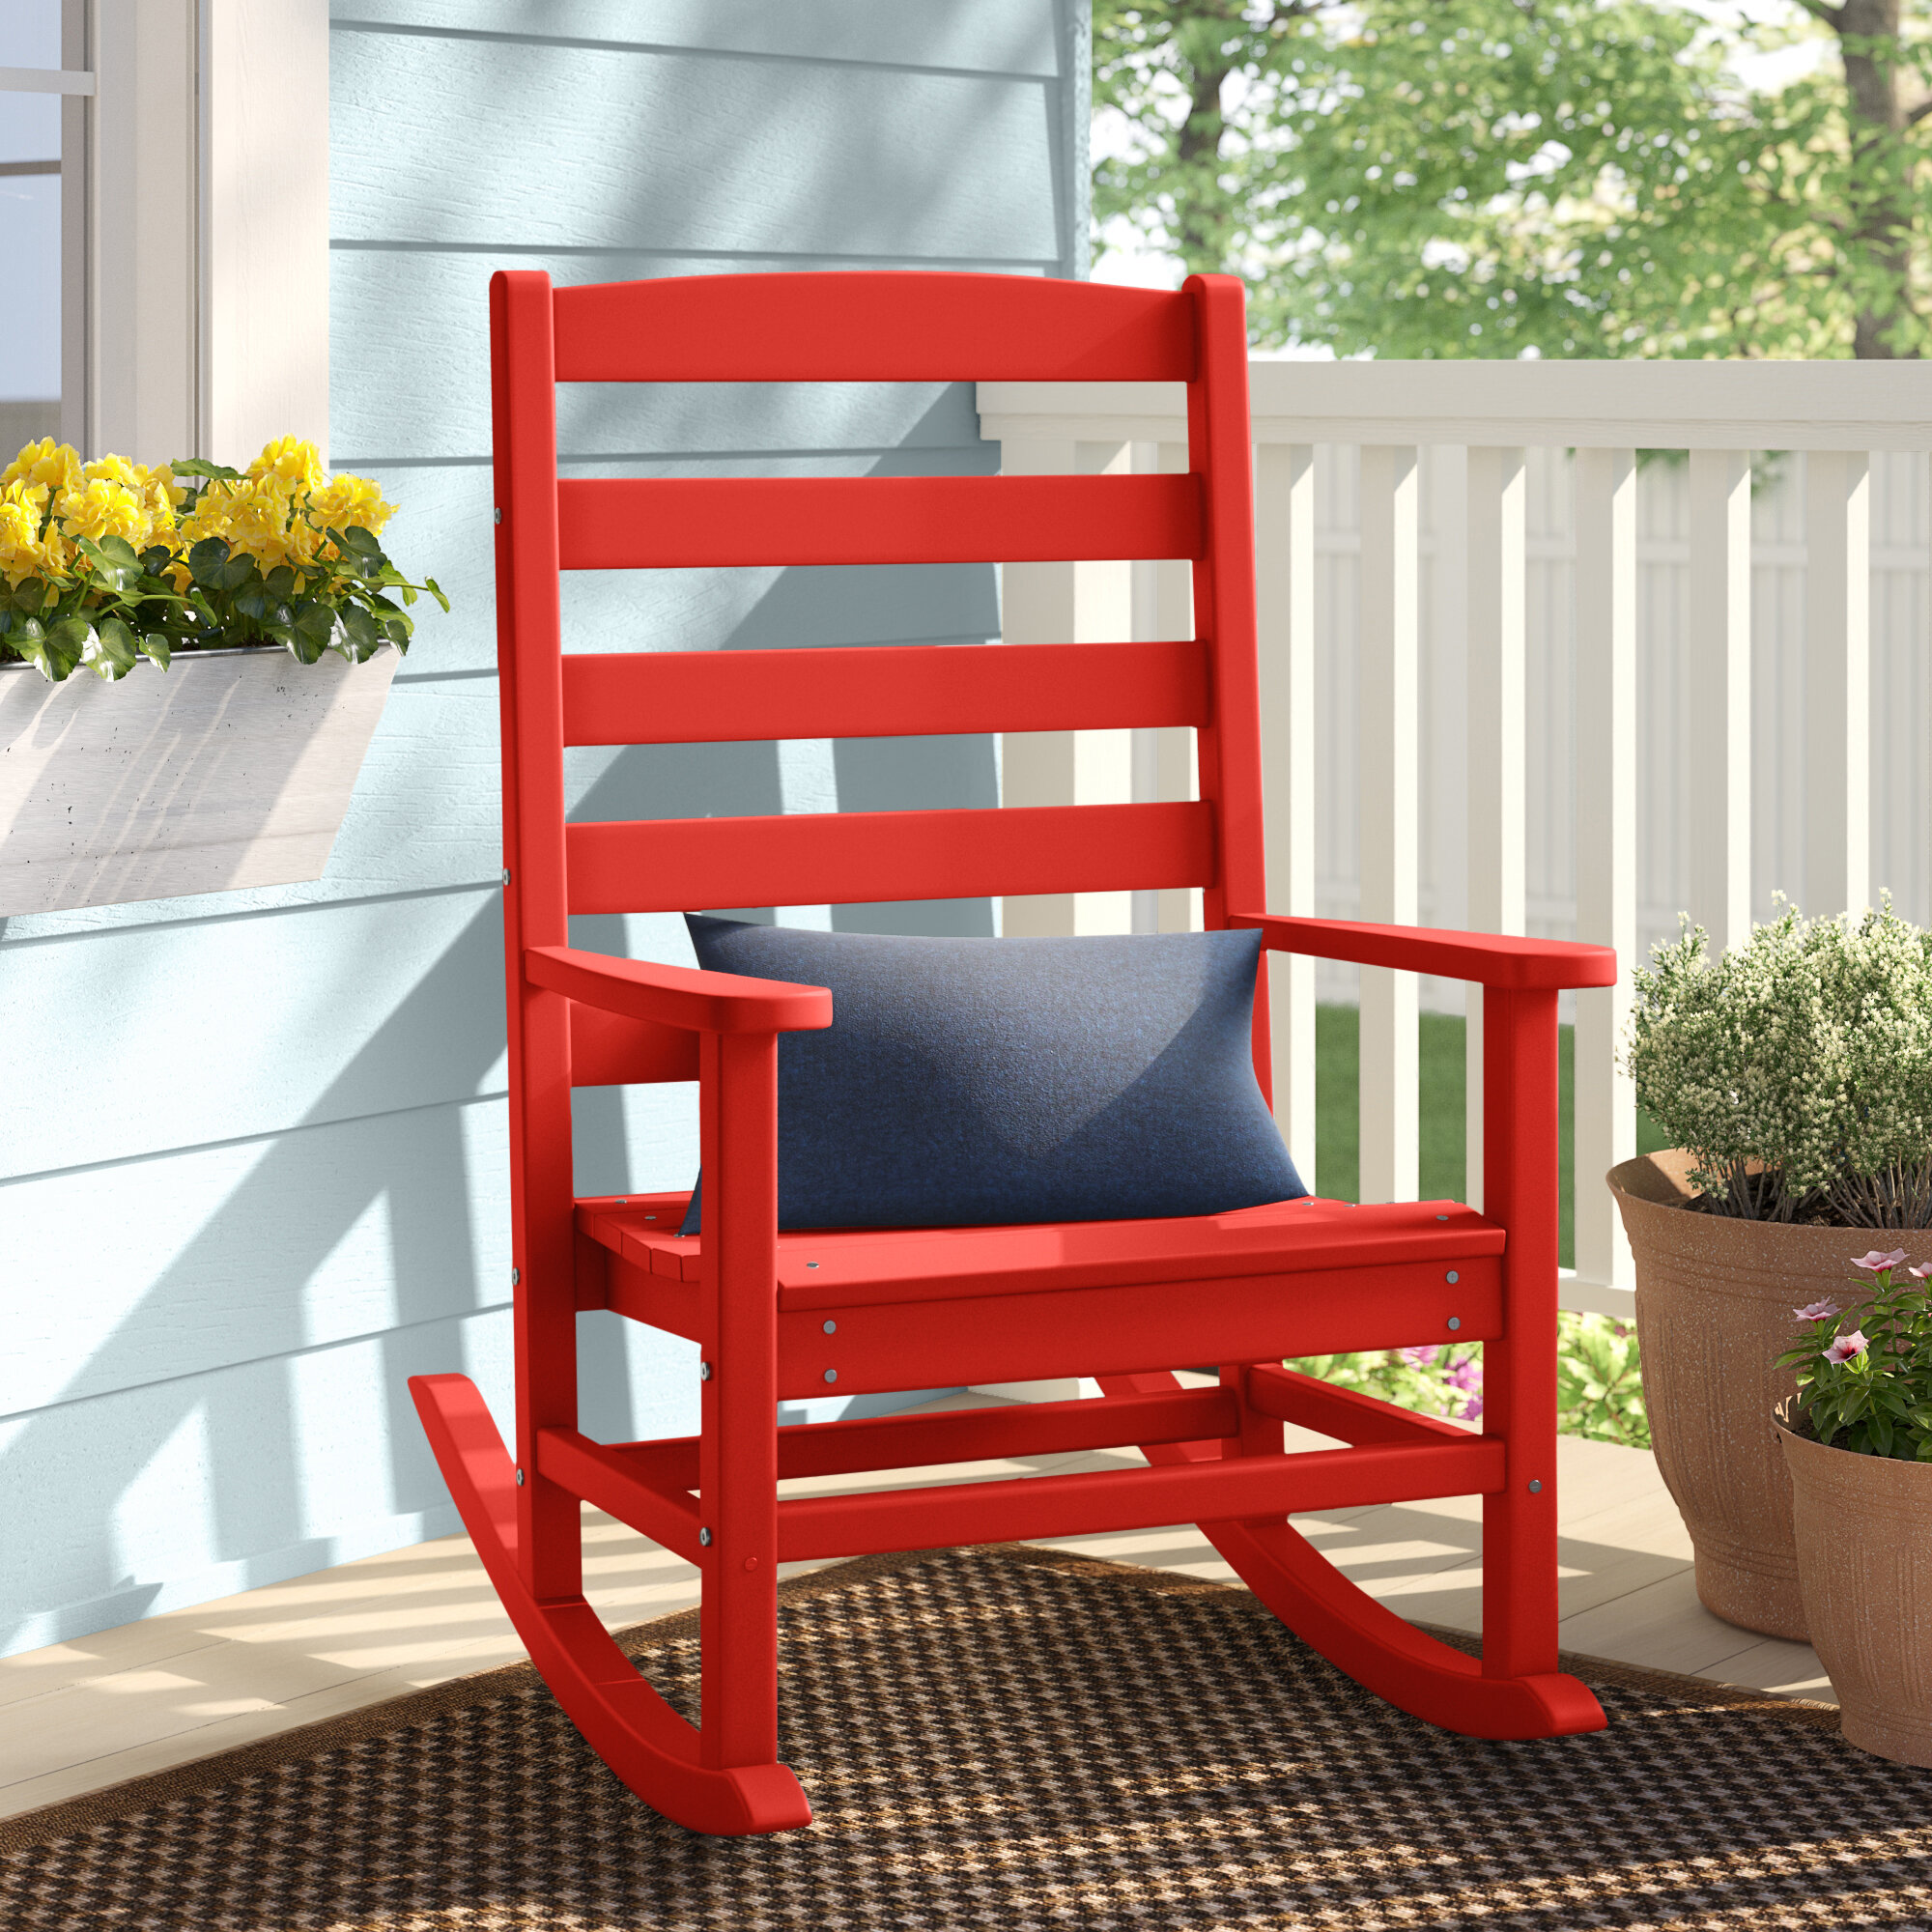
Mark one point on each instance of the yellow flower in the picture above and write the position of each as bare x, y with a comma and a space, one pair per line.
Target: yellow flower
251, 516
22, 554
155, 488
350, 500
101, 508
57, 465
289, 465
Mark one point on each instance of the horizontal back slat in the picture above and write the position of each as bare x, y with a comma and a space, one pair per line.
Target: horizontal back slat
609, 1050
656, 523
679, 698
840, 859
910, 327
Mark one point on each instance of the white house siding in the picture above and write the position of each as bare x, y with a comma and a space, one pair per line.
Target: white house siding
1901, 697
252, 1157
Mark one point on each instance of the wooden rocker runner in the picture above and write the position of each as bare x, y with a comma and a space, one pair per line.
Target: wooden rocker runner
1125, 1301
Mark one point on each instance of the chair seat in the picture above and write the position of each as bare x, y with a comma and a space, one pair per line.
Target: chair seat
850, 1267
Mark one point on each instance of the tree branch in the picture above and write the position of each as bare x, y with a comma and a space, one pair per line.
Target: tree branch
1821, 9
1919, 113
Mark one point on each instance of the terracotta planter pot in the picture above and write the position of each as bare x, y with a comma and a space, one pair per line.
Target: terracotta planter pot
1865, 1565
1714, 1302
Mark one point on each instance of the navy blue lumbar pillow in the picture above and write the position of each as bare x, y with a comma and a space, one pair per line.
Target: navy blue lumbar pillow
975, 1082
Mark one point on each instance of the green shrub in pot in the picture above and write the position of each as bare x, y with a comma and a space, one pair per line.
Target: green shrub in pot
1795, 1077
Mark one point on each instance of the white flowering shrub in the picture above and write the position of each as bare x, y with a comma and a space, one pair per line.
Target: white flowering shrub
1796, 1069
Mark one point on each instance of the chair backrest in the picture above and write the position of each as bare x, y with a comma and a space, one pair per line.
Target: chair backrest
872, 328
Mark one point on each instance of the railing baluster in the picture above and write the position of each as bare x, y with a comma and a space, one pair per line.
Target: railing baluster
1497, 726
1719, 648
1285, 586
1389, 751
1173, 744
1837, 681
1606, 485
1065, 602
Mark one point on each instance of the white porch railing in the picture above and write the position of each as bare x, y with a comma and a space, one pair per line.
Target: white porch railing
1517, 635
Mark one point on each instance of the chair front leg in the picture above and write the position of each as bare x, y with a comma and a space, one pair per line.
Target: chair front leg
738, 1451
1520, 1180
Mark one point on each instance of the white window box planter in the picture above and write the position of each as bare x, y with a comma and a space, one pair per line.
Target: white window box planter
232, 768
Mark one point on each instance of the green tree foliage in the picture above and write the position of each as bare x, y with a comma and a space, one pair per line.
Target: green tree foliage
1563, 178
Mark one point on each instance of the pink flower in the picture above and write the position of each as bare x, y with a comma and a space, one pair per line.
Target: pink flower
1468, 1374
1844, 1347
1423, 1355
1819, 1311
1920, 1273
1473, 1408
1876, 1263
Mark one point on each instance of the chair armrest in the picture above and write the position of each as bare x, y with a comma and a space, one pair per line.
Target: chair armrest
1491, 959
677, 996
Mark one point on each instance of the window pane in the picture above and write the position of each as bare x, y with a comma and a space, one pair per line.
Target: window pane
29, 230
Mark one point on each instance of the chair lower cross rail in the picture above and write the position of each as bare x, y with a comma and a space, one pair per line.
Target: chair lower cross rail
624, 1480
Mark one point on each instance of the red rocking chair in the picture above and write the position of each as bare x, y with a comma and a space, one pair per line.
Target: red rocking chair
1125, 1301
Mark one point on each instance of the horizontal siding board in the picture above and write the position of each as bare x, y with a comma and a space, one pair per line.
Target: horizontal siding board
237, 1028
224, 1255
1013, 36
948, 165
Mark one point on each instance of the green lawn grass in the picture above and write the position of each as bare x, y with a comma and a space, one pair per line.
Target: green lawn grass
1338, 1148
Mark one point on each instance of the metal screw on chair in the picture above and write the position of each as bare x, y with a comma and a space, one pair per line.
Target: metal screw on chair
1455, 1321
515, 1277
832, 1375
506, 875
1443, 1217
705, 1537
495, 516
1452, 1277
520, 1479
832, 1328
1536, 1489
811, 1264
704, 1371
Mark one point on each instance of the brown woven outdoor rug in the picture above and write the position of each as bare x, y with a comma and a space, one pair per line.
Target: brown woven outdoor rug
1012, 1738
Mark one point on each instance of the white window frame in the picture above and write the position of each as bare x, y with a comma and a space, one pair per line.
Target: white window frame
194, 224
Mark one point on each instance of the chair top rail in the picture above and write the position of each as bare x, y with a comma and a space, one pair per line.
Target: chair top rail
879, 691
1764, 405
915, 326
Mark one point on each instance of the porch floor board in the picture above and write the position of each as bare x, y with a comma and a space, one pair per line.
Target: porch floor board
77, 1716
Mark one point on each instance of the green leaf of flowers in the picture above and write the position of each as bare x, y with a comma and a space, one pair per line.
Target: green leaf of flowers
111, 653
362, 634
155, 648
30, 639
193, 466
205, 559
